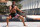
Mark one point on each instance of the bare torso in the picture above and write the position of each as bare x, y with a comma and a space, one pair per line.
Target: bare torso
13, 10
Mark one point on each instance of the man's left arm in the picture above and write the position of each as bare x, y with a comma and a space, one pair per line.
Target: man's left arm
19, 10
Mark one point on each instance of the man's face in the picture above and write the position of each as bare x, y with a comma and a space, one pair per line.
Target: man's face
14, 2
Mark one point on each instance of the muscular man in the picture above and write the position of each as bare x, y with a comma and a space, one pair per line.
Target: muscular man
13, 13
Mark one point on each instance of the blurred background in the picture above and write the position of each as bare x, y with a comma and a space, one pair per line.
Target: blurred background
30, 7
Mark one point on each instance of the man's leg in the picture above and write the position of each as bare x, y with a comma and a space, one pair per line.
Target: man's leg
22, 20
8, 19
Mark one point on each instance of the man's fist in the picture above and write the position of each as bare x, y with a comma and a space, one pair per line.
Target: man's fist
22, 12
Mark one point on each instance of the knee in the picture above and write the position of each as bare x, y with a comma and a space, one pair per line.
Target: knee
7, 17
21, 17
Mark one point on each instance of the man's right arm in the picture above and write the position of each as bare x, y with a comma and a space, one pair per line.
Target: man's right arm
10, 7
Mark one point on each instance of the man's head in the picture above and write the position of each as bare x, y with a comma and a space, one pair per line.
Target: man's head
13, 2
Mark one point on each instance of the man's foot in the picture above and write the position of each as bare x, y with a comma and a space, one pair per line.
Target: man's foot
24, 25
7, 26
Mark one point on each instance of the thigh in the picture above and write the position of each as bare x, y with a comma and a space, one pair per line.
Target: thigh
20, 17
10, 17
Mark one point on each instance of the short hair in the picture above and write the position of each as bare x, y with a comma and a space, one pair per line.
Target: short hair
13, 0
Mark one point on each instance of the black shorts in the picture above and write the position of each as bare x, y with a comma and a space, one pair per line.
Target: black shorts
14, 15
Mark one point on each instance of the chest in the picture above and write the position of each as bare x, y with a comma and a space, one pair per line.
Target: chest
13, 7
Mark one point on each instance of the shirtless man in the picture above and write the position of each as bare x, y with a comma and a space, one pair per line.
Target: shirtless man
13, 13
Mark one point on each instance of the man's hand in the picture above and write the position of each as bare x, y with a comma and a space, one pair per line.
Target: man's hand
23, 12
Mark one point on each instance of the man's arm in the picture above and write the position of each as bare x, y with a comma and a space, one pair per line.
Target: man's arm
19, 9
10, 7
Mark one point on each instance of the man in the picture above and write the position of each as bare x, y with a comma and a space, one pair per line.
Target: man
13, 13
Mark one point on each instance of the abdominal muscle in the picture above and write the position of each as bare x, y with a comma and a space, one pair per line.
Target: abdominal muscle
13, 11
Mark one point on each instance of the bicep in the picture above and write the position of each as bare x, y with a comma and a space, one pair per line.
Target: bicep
18, 9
